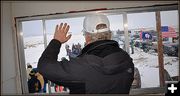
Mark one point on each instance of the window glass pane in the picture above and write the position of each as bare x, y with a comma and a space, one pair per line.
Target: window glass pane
142, 32
76, 27
33, 48
33, 41
75, 44
170, 31
169, 18
116, 26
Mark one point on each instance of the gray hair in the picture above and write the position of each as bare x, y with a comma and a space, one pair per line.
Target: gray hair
100, 36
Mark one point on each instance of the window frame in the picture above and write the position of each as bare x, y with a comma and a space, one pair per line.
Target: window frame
114, 11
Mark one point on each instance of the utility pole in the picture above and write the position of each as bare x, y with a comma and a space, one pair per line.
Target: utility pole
160, 49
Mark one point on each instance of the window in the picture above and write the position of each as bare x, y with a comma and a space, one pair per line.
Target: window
145, 59
142, 41
76, 27
116, 26
169, 20
33, 41
143, 47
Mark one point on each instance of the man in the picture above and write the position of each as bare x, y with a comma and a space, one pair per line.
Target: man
132, 46
102, 66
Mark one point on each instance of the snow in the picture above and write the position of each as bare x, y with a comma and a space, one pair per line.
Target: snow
75, 39
34, 47
147, 63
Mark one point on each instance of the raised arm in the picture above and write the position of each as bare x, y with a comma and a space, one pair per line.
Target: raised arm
48, 65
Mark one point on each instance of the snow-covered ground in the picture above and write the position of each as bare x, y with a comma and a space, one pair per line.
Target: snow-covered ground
34, 47
147, 63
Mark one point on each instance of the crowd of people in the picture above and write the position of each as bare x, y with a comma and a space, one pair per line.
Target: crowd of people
74, 51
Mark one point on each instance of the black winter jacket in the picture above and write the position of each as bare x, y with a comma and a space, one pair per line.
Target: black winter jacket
102, 67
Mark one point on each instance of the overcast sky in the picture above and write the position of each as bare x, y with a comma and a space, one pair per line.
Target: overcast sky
135, 20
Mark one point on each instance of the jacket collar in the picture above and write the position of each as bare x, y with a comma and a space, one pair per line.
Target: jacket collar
97, 44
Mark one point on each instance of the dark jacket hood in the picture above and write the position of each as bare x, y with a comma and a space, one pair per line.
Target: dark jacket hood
110, 58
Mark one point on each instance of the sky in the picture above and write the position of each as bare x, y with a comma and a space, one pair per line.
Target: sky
135, 20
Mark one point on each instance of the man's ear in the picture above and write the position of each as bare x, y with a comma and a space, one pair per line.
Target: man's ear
87, 38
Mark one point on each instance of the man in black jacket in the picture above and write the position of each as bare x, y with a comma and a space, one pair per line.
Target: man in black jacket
102, 66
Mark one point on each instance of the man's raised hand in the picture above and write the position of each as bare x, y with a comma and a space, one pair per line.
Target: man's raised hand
61, 33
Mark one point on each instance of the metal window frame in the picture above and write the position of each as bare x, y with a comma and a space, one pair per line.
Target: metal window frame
21, 57
115, 11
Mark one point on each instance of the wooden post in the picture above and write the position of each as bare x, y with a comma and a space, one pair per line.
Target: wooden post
160, 50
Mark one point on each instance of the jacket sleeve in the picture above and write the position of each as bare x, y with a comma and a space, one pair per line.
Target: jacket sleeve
52, 69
